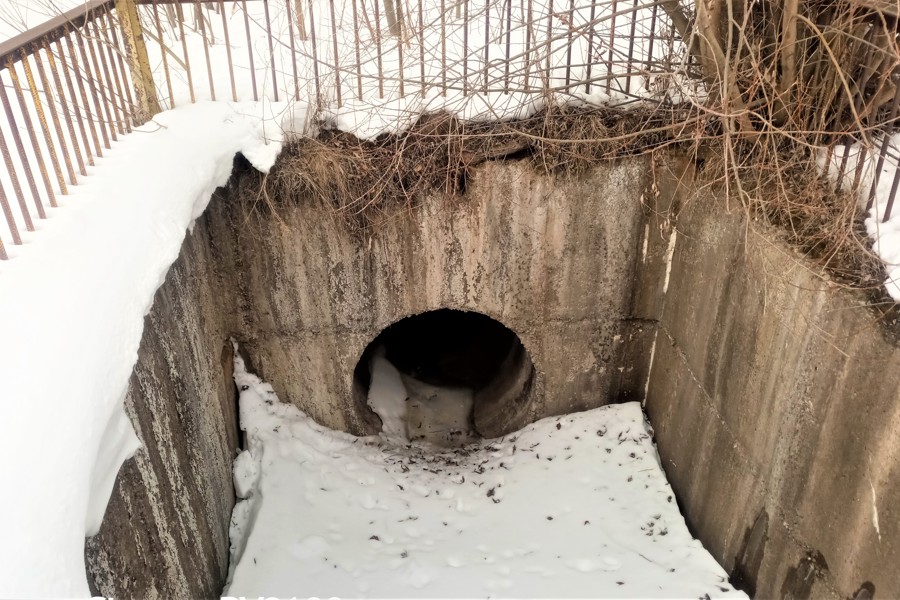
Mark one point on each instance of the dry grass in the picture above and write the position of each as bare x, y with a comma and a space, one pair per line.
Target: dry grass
367, 182
785, 78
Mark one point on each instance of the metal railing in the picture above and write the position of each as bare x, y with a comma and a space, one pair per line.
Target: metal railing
72, 86
65, 91
69, 87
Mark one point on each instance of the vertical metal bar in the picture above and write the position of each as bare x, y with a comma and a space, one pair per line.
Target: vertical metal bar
98, 151
110, 119
842, 169
549, 44
57, 125
163, 50
337, 66
508, 45
443, 47
118, 49
569, 44
422, 46
29, 126
250, 50
401, 29
529, 22
884, 146
590, 52
378, 50
88, 75
487, 43
290, 20
653, 17
315, 52
202, 26
42, 119
829, 154
271, 47
612, 42
359, 89
64, 103
17, 187
228, 50
631, 48
892, 196
860, 164
124, 108
10, 221
106, 85
465, 56
187, 59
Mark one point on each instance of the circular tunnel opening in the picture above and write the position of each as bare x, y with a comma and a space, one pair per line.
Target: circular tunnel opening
445, 377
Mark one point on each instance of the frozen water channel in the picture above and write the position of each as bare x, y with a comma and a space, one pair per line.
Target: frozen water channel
571, 506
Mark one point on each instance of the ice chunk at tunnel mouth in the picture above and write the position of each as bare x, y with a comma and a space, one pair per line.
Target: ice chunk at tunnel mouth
418, 411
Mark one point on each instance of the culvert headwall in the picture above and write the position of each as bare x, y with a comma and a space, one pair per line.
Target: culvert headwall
554, 260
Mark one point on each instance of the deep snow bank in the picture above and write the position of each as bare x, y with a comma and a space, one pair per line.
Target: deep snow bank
569, 506
71, 312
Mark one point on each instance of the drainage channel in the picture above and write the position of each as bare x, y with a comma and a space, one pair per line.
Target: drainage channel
570, 506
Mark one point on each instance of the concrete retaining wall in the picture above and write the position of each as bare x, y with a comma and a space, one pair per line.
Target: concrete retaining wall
165, 533
773, 394
775, 400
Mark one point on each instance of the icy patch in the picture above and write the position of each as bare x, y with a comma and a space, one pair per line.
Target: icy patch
388, 397
570, 506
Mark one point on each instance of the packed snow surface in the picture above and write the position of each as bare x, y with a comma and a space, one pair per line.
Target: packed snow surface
72, 312
569, 506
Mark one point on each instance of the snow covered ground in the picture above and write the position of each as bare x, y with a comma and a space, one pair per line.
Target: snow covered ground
71, 315
572, 506
885, 232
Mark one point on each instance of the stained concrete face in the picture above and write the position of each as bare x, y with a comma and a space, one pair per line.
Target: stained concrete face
551, 259
775, 400
165, 532
773, 394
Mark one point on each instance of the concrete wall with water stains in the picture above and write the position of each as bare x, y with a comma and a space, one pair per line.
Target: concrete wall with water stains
775, 397
774, 393
165, 533
553, 259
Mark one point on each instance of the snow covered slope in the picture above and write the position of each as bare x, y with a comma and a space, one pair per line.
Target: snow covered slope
72, 309
573, 506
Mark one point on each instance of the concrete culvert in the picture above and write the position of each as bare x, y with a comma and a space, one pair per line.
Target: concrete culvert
458, 374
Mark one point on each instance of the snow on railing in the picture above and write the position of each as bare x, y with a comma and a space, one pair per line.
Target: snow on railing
64, 87
367, 65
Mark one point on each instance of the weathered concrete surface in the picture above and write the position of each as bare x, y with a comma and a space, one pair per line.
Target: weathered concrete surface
774, 395
552, 259
165, 533
775, 400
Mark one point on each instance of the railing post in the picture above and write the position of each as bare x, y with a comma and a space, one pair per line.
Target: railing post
141, 75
